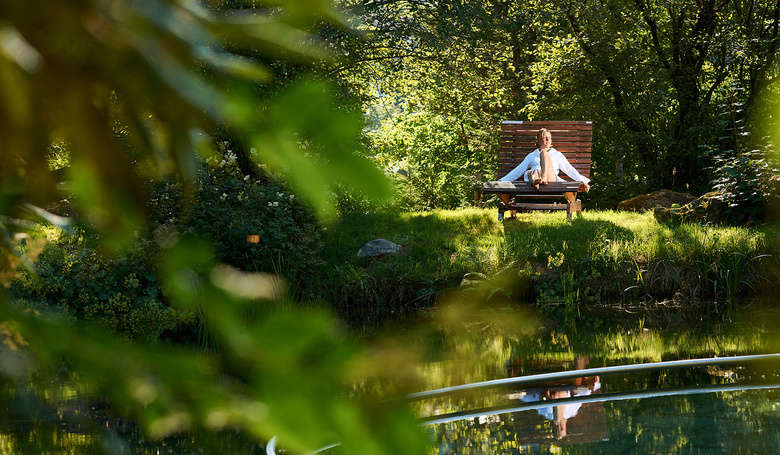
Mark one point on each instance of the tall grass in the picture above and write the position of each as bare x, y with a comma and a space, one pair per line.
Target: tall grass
602, 256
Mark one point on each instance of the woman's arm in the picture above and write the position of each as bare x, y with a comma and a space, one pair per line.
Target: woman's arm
568, 169
518, 171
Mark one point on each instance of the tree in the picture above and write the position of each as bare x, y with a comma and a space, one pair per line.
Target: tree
653, 75
692, 48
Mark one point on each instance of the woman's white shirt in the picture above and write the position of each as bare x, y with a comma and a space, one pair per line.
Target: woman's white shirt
532, 162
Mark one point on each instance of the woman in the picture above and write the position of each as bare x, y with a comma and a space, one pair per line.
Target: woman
542, 165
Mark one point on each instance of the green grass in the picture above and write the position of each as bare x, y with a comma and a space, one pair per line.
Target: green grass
602, 256
437, 244
618, 236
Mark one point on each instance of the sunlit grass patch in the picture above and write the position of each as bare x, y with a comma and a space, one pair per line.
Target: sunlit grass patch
624, 235
604, 255
434, 242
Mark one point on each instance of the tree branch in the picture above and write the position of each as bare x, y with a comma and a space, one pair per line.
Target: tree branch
384, 57
374, 4
615, 90
653, 32
676, 27
718, 80
703, 29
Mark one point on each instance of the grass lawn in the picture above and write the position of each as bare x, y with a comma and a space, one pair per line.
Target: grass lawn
604, 255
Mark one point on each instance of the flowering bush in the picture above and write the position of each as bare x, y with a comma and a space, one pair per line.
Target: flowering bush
228, 206
224, 207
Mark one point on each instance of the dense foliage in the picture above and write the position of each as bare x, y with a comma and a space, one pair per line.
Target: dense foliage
431, 158
746, 168
138, 91
73, 278
656, 78
227, 206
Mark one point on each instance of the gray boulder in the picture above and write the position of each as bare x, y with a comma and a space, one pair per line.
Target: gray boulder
378, 247
472, 279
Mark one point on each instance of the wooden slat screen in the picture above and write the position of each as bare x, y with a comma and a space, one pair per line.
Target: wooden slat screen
572, 138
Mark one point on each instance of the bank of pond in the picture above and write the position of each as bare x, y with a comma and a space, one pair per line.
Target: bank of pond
603, 259
465, 298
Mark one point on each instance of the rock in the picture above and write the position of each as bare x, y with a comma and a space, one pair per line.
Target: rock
708, 208
660, 198
378, 247
472, 279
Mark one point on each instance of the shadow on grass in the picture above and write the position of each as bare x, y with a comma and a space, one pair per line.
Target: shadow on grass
438, 249
716, 264
580, 238
435, 244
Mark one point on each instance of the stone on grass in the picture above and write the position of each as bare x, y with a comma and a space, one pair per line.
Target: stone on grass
379, 247
660, 198
472, 279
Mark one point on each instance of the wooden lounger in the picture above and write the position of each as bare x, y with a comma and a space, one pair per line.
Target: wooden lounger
518, 139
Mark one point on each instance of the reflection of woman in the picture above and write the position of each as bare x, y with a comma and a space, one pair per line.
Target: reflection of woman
562, 412
542, 165
582, 386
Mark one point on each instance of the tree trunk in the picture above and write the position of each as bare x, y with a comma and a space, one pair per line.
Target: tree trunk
683, 167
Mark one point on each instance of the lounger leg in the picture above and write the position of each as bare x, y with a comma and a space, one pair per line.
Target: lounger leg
571, 201
505, 199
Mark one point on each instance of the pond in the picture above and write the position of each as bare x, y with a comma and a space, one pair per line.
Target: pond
715, 406
701, 409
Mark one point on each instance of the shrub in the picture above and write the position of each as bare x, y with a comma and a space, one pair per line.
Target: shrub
747, 181
433, 158
350, 203
227, 206
72, 277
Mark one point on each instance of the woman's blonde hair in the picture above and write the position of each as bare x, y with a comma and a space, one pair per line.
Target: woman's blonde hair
539, 137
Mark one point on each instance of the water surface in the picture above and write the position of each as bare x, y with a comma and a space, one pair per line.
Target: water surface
733, 408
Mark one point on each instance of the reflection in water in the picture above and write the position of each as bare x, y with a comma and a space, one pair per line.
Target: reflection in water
700, 421
486, 413
702, 409
561, 413
694, 409
570, 374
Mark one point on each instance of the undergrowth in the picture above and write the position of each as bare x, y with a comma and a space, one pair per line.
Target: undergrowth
540, 258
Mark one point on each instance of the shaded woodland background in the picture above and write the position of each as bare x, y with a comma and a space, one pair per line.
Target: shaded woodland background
679, 91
